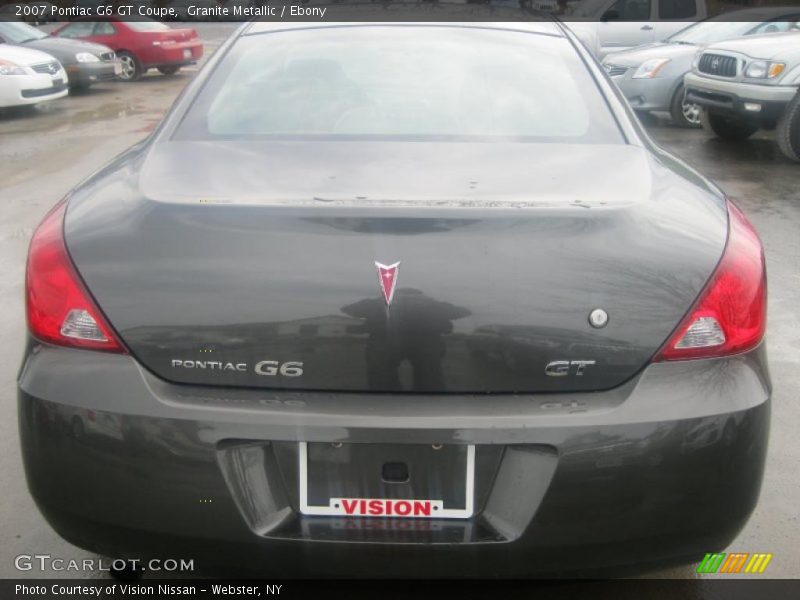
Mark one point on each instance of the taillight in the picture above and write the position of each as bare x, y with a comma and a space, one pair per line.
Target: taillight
730, 315
60, 310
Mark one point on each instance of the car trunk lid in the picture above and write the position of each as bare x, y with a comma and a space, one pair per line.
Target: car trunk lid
254, 264
175, 36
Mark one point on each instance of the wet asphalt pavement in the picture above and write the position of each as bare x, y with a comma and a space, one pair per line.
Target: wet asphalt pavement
45, 151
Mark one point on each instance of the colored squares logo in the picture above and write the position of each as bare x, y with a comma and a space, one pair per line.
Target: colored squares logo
734, 562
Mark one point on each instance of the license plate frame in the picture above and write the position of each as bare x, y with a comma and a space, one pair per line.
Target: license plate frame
336, 506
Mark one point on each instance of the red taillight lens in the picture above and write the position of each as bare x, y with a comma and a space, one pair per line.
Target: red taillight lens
60, 310
730, 315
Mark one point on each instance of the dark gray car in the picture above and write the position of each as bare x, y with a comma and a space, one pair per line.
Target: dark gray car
368, 301
85, 63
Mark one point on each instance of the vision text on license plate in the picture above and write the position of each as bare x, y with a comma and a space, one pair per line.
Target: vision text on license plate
385, 507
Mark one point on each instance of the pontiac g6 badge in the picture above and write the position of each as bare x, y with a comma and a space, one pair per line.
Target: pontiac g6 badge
387, 275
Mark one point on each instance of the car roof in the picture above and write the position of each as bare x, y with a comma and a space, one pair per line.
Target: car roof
441, 14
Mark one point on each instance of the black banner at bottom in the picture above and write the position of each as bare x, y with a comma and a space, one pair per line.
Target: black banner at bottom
463, 589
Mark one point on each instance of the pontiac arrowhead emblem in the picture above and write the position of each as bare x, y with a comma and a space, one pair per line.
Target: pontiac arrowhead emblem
387, 275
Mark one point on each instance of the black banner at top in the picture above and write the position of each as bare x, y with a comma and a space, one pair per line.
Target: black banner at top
331, 11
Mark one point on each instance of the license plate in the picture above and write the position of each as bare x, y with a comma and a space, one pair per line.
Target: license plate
57, 82
117, 68
187, 53
439, 488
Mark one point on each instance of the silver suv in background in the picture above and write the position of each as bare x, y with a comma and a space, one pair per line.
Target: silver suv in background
748, 84
651, 76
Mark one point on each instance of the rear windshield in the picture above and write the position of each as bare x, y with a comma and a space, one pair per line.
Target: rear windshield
401, 83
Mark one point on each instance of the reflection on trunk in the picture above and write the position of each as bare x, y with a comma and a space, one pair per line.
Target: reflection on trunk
412, 330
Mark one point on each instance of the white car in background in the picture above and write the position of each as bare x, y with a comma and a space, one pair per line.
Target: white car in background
29, 77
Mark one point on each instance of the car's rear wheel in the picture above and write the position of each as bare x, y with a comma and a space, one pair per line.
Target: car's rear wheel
727, 128
169, 70
788, 130
685, 114
131, 68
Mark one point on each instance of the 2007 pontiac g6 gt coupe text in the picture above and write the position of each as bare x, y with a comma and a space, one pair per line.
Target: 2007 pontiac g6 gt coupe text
392, 299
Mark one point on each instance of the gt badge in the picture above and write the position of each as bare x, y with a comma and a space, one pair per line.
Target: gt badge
561, 368
387, 275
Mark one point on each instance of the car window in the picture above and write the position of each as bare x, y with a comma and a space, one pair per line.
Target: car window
104, 28
587, 8
677, 9
630, 10
19, 33
77, 29
402, 83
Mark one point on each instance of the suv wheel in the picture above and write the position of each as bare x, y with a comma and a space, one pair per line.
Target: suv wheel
685, 114
788, 130
727, 128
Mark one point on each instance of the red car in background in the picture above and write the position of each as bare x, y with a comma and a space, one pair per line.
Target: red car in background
140, 45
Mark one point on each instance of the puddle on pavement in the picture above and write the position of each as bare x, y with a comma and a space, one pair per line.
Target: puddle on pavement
58, 119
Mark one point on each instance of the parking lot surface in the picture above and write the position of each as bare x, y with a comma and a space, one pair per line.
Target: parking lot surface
47, 150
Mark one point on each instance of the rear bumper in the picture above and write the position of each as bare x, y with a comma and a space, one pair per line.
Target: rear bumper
661, 470
185, 53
